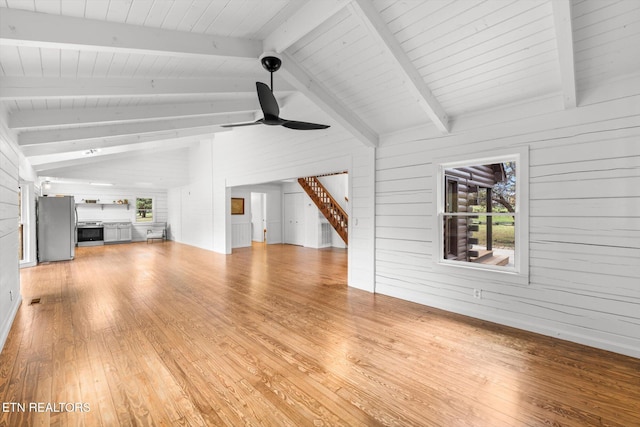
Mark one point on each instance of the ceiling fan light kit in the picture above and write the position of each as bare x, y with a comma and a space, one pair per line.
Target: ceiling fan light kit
271, 62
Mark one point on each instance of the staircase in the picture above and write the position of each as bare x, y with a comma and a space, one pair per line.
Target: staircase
331, 210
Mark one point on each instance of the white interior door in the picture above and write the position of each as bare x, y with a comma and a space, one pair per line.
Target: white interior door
257, 217
293, 219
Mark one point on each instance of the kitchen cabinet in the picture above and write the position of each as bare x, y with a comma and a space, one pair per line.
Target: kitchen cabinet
117, 232
124, 232
110, 233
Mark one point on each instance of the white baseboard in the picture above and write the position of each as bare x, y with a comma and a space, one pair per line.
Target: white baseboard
6, 323
562, 334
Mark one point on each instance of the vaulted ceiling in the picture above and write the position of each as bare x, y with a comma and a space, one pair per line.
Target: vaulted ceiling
141, 78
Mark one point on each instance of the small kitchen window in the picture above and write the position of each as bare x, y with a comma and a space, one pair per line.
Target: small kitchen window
482, 215
144, 209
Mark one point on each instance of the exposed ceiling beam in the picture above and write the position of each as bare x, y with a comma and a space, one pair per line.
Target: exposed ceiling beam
564, 39
19, 88
302, 22
83, 145
25, 119
321, 96
366, 12
24, 28
107, 131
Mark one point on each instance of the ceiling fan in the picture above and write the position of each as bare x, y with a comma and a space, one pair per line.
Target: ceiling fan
269, 104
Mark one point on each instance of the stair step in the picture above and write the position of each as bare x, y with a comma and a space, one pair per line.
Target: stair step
486, 257
495, 260
477, 255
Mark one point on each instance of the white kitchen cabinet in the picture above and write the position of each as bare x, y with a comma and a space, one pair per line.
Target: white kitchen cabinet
110, 233
117, 232
124, 232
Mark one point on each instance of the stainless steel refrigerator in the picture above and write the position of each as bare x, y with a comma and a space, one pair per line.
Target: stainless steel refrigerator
56, 228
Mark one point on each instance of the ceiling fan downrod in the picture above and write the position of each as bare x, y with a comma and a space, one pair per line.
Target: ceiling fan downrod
271, 63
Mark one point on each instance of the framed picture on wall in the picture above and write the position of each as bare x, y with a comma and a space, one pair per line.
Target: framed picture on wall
237, 206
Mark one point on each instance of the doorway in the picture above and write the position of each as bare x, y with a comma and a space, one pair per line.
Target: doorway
259, 217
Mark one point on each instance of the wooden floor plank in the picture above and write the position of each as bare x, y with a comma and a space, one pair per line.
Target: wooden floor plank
168, 334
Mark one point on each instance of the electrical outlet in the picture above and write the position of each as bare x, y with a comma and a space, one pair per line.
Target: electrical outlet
11, 295
477, 293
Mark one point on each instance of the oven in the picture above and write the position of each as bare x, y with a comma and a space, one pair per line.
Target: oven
90, 233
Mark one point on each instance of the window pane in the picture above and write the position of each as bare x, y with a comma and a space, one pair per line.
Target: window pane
144, 210
451, 196
504, 192
481, 188
480, 239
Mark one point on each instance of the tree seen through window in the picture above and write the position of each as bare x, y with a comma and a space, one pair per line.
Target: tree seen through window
144, 209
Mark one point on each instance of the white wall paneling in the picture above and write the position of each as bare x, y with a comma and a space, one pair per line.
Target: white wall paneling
10, 296
191, 205
174, 214
241, 224
241, 233
584, 200
254, 156
158, 169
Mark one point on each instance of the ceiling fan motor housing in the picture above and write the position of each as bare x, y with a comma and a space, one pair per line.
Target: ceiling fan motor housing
270, 61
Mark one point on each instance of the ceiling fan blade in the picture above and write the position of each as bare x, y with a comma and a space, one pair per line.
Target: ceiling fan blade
235, 125
292, 124
268, 102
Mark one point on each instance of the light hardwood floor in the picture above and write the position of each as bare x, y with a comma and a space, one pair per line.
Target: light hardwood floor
167, 334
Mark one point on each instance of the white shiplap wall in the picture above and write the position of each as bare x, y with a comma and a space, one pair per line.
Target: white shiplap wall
191, 206
584, 223
266, 154
241, 224
9, 265
156, 168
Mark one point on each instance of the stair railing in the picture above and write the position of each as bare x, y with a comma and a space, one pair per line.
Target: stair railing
331, 210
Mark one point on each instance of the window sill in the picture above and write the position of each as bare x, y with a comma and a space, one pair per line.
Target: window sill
478, 272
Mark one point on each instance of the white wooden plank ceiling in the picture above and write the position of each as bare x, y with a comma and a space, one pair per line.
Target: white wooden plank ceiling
130, 75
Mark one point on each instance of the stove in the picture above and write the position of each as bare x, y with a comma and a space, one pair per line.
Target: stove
90, 233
